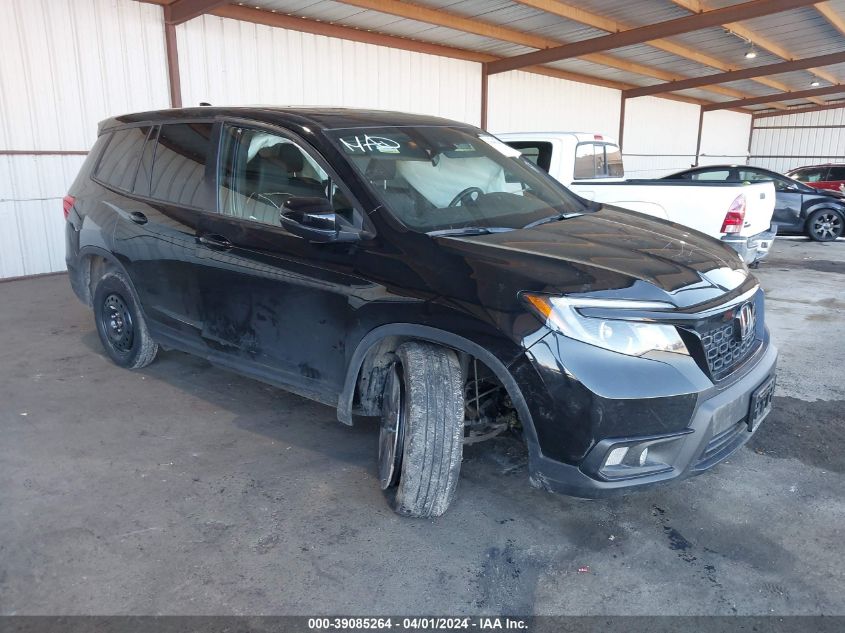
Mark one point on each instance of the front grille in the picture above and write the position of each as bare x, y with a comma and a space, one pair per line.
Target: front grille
723, 351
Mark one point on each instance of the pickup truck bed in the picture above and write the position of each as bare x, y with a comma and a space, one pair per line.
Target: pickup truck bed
596, 160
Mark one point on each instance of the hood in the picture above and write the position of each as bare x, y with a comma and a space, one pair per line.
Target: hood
608, 253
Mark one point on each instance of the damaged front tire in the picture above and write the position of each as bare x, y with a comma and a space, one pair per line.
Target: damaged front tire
422, 429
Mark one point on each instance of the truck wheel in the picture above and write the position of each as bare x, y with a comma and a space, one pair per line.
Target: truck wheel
824, 225
120, 324
422, 430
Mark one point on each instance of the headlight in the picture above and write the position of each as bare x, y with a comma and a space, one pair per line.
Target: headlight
633, 338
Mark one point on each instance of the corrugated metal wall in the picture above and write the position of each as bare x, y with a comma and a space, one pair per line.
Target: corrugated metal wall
526, 102
784, 142
69, 63
230, 62
660, 136
724, 137
66, 64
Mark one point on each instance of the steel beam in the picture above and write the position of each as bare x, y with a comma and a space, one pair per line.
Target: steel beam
735, 75
695, 22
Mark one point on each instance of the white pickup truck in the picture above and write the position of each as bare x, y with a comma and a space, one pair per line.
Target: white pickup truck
739, 214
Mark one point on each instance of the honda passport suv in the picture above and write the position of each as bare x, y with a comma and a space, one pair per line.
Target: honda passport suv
420, 270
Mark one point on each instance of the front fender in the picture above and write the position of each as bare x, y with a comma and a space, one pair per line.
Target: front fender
497, 365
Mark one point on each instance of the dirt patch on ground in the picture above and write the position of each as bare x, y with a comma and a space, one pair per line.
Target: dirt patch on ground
812, 432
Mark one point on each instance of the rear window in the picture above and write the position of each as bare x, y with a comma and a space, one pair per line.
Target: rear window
598, 160
119, 163
181, 173
537, 152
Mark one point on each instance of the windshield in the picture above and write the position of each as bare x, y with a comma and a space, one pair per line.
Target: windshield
441, 178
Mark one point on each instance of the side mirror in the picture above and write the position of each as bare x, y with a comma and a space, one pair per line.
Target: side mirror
315, 220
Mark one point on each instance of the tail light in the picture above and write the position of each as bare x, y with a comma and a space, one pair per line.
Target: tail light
67, 204
735, 217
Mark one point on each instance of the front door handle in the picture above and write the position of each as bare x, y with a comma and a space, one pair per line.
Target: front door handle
215, 241
137, 217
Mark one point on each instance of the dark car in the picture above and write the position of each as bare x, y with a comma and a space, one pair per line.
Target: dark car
817, 213
419, 270
830, 177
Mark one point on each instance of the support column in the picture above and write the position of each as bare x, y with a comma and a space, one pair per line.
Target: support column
485, 80
698, 141
173, 77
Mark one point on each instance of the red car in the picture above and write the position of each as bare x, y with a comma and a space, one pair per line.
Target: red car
828, 176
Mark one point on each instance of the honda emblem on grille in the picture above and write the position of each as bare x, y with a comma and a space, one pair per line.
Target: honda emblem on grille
744, 322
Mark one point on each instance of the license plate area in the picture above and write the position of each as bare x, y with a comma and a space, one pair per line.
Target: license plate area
761, 403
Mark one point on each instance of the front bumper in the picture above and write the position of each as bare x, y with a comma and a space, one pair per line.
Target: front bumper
717, 429
752, 249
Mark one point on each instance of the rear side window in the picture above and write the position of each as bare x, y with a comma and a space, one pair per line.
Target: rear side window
598, 160
119, 164
720, 175
181, 173
538, 152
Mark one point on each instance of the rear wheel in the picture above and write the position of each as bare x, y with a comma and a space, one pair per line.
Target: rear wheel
120, 324
824, 225
422, 428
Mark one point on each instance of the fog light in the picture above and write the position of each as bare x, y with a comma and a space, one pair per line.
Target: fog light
644, 456
615, 457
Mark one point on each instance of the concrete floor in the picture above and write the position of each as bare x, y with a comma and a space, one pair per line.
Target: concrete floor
184, 489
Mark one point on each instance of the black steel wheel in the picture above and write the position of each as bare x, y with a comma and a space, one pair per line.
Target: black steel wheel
117, 323
120, 323
824, 225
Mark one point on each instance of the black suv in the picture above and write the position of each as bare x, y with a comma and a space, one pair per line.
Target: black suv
420, 270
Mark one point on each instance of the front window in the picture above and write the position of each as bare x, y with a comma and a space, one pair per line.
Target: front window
441, 178
781, 184
260, 171
811, 174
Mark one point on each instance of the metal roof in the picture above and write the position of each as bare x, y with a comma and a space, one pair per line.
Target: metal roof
791, 34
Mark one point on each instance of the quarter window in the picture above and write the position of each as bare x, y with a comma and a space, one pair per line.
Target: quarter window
180, 167
260, 170
119, 163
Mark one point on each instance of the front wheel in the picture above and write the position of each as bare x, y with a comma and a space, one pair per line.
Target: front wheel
824, 225
120, 323
422, 429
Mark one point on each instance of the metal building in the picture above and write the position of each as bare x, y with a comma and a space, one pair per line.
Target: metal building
679, 81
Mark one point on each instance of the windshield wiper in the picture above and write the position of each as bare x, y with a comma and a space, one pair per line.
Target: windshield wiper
470, 230
551, 218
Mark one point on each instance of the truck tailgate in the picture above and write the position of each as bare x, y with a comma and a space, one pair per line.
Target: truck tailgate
759, 206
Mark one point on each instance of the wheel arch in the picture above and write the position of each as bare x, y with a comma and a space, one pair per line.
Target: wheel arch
822, 205
374, 352
93, 262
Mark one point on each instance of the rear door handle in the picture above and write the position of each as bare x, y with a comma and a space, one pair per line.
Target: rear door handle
137, 217
215, 241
